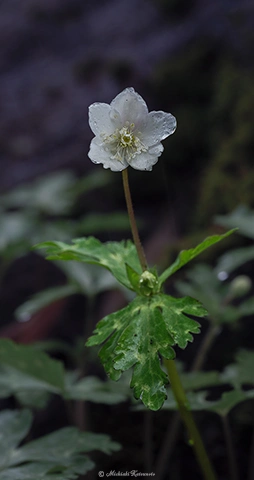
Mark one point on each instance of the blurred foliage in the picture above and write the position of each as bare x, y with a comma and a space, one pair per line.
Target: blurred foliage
59, 455
228, 179
236, 375
31, 376
48, 208
243, 217
209, 159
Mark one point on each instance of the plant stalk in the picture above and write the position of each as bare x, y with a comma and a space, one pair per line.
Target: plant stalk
173, 427
134, 228
187, 417
232, 465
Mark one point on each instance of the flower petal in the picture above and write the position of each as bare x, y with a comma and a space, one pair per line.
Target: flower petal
99, 119
98, 154
156, 149
144, 161
158, 127
130, 106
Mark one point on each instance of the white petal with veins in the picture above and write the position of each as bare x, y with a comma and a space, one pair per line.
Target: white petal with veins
126, 134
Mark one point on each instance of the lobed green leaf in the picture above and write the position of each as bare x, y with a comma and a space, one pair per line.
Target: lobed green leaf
111, 255
48, 373
95, 390
59, 455
139, 334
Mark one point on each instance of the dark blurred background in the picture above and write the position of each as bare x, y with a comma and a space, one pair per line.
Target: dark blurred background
192, 58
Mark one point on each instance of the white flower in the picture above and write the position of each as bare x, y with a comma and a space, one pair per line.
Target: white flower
126, 133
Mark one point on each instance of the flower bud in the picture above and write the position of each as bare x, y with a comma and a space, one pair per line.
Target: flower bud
240, 286
148, 283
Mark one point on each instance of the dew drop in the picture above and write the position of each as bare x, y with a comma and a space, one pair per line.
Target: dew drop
222, 276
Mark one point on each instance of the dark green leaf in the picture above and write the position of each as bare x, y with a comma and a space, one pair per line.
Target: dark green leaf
247, 307
234, 259
59, 455
90, 279
95, 390
197, 401
242, 218
29, 391
227, 402
37, 471
96, 223
14, 426
64, 446
139, 333
133, 277
198, 380
186, 256
34, 363
44, 298
112, 255
204, 285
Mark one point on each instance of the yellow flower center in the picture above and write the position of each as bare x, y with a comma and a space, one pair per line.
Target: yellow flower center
124, 144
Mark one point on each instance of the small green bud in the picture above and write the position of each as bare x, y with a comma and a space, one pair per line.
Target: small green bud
148, 283
240, 286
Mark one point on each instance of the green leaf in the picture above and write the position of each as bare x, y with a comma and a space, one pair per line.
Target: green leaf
38, 471
63, 446
96, 223
50, 193
234, 259
14, 426
35, 399
138, 334
133, 277
247, 307
111, 255
95, 390
34, 363
197, 401
198, 380
42, 299
29, 391
242, 218
204, 285
59, 455
15, 229
186, 256
241, 372
90, 279
227, 402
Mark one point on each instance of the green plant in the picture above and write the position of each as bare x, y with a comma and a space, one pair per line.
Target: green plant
142, 336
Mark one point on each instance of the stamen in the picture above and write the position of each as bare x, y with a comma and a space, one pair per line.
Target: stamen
124, 144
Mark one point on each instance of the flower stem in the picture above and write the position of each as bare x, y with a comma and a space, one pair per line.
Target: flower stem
233, 472
134, 228
173, 427
187, 417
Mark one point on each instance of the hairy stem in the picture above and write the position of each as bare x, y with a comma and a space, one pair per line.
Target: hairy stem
187, 417
134, 228
173, 427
